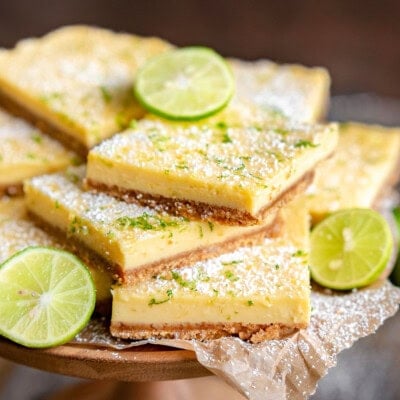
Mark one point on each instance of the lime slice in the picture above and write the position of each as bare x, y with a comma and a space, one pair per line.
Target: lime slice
186, 84
46, 297
350, 249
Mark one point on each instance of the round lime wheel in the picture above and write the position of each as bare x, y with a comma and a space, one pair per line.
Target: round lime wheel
350, 249
47, 296
185, 84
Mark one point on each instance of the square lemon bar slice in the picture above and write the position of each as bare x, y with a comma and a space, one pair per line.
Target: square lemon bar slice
256, 293
76, 82
17, 232
26, 152
234, 175
131, 240
364, 165
293, 91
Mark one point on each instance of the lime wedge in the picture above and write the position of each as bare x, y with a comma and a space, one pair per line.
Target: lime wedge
185, 84
350, 249
46, 297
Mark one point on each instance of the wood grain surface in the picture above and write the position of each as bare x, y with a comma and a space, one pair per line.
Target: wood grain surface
138, 364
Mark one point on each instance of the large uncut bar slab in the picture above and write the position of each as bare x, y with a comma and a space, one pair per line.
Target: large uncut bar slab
229, 174
365, 163
26, 152
17, 232
76, 82
293, 91
133, 240
256, 293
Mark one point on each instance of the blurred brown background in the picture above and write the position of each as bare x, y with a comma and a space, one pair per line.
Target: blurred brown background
358, 41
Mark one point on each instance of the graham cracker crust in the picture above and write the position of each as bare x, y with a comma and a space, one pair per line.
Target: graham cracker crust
12, 190
198, 210
165, 264
17, 109
254, 333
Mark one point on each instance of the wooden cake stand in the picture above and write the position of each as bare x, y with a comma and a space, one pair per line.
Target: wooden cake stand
137, 364
144, 367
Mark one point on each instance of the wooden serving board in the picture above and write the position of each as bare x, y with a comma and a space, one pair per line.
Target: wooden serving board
137, 364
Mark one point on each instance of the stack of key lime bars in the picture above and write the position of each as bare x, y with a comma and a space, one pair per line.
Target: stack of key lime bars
194, 209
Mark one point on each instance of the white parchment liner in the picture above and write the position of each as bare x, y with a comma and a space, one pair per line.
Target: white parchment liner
289, 368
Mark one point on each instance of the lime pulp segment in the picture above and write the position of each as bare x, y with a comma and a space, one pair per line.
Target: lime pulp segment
185, 84
350, 249
46, 297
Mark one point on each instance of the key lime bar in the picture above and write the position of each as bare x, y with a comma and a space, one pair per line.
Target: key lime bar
133, 240
256, 293
228, 174
26, 152
18, 233
294, 91
364, 164
76, 81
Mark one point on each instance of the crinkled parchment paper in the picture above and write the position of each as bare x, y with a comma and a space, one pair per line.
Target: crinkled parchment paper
289, 368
